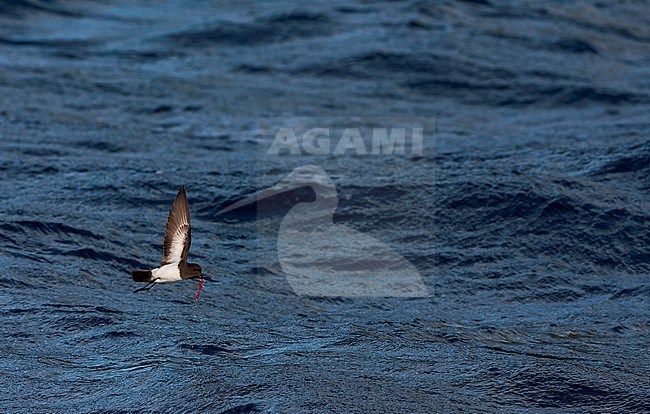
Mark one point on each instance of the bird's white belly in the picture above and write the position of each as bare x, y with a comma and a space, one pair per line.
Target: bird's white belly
167, 273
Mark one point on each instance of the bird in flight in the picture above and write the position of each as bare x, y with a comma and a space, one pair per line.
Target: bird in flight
176, 245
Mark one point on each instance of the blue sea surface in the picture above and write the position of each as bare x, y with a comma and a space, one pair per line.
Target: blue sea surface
527, 214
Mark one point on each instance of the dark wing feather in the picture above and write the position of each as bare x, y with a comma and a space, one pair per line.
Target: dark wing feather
178, 233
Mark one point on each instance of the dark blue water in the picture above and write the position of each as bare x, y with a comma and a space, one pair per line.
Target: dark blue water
527, 214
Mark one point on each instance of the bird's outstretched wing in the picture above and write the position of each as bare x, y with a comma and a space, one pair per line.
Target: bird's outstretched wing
178, 234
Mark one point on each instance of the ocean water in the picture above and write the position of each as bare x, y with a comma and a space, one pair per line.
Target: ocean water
526, 214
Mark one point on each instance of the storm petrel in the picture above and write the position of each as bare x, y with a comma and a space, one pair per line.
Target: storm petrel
176, 245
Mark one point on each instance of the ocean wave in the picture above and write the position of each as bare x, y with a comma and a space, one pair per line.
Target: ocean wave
22, 8
271, 29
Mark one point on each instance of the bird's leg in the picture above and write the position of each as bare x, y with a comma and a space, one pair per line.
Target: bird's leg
148, 286
145, 288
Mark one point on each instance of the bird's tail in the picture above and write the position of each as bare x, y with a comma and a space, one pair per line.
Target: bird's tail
141, 275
